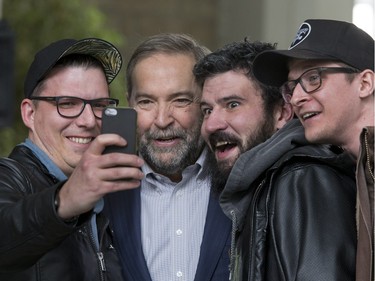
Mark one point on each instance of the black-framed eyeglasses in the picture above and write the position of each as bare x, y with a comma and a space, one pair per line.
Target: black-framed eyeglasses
71, 107
311, 80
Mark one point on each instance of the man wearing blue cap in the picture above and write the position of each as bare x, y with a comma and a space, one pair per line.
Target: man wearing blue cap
51, 185
327, 75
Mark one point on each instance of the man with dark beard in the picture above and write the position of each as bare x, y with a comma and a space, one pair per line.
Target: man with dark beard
172, 228
292, 204
229, 86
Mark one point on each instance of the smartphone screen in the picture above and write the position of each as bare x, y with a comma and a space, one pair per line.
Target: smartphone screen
121, 121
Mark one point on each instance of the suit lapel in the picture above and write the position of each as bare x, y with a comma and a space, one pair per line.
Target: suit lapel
215, 243
124, 210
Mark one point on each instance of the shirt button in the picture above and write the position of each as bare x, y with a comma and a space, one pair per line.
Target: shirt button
179, 194
179, 274
179, 232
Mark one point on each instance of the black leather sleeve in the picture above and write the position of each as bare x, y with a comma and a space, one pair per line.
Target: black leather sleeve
312, 227
30, 226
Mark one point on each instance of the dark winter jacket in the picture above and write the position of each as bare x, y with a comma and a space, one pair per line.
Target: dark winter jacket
35, 244
292, 206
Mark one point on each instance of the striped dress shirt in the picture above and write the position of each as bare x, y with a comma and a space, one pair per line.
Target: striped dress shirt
173, 217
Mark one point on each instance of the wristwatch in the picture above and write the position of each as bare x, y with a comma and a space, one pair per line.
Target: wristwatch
57, 204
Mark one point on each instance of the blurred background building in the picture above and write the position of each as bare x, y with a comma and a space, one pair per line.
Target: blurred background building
27, 26
217, 22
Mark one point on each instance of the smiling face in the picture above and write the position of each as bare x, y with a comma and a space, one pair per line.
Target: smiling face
64, 140
166, 98
331, 113
234, 117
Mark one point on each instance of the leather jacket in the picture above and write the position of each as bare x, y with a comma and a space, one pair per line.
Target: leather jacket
35, 244
292, 206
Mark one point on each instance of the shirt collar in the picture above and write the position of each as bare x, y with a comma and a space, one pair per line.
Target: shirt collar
46, 161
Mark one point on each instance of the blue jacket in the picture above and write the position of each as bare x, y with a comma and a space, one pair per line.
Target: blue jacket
124, 211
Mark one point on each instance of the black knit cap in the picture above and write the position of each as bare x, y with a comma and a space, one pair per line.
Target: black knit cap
45, 59
318, 39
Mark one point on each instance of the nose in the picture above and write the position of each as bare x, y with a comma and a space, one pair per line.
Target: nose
87, 117
164, 116
299, 96
214, 122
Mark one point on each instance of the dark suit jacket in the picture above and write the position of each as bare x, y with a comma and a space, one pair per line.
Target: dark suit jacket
124, 211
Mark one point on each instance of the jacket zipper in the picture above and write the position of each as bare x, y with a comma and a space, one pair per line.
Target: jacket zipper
99, 254
257, 191
101, 261
232, 245
233, 250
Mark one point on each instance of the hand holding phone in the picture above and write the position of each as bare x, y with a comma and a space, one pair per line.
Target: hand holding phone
121, 121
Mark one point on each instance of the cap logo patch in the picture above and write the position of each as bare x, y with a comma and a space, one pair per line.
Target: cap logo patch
301, 35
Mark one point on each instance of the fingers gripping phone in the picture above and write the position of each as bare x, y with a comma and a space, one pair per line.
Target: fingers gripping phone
121, 121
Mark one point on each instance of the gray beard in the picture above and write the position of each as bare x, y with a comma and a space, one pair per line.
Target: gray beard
184, 154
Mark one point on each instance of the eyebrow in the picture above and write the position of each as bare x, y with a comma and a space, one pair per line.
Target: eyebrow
225, 99
170, 97
231, 97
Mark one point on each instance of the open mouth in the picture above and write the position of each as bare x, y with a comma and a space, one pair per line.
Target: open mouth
309, 115
80, 140
223, 146
166, 139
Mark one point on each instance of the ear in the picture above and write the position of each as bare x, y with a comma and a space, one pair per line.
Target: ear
367, 83
283, 114
27, 113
